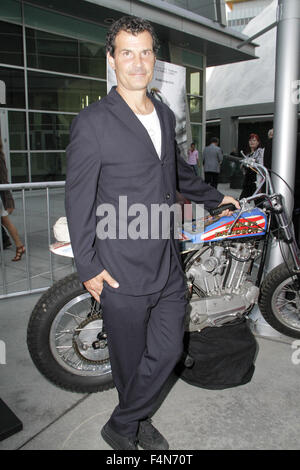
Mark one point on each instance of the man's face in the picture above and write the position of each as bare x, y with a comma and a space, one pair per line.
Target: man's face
133, 61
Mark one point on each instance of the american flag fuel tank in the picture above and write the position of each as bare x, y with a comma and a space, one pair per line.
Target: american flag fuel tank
251, 223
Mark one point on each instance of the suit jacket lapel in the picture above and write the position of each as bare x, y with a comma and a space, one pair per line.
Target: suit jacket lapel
125, 113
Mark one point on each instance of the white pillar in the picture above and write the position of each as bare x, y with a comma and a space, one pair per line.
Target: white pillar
286, 107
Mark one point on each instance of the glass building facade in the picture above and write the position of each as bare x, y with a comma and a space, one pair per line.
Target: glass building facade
242, 12
213, 9
52, 65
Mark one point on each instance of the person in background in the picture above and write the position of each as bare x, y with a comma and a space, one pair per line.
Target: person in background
255, 151
212, 159
6, 207
193, 157
268, 149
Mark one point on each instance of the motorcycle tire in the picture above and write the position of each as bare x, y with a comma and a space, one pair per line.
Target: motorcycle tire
66, 338
279, 300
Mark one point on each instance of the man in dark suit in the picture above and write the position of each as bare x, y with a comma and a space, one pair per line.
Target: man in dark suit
124, 145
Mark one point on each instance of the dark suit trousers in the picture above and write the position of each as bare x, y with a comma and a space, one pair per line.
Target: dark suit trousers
145, 340
212, 178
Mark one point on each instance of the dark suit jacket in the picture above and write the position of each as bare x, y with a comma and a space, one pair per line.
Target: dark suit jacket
110, 155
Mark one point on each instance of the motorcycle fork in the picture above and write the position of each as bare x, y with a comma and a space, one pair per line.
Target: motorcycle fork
288, 237
264, 253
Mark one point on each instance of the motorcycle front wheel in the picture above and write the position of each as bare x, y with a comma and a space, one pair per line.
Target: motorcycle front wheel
66, 338
279, 300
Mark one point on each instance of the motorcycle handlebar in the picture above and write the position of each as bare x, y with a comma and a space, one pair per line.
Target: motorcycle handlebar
234, 159
244, 160
218, 210
251, 163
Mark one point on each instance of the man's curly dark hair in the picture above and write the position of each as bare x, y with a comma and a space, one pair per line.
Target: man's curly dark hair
133, 25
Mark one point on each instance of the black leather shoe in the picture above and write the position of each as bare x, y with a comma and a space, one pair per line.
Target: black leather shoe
116, 440
150, 438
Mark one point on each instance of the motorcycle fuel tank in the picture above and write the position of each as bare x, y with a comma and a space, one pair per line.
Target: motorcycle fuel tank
251, 223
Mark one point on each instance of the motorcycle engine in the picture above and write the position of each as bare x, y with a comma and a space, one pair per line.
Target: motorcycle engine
219, 277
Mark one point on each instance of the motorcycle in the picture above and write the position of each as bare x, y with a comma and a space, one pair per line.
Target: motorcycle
224, 268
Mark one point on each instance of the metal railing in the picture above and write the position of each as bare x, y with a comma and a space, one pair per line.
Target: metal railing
29, 212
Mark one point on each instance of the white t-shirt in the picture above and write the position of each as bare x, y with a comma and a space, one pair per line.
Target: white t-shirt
152, 124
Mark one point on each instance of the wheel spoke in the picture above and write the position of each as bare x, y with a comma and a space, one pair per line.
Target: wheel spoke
75, 317
65, 355
285, 302
62, 333
86, 329
78, 364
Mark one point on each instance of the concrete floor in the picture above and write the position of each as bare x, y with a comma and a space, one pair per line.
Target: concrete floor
263, 414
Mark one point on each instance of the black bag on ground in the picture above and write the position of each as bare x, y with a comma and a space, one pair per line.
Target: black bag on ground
219, 357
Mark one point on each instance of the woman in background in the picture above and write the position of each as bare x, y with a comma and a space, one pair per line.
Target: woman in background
257, 152
7, 206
